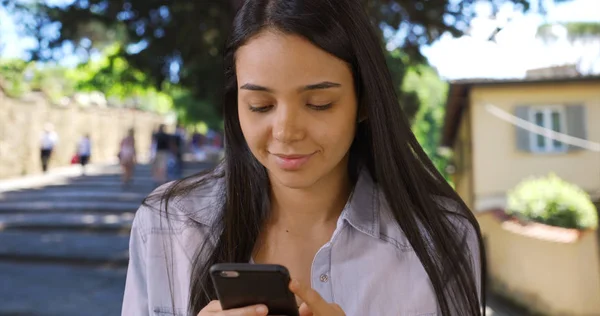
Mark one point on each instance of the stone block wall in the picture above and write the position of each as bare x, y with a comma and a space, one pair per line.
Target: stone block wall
22, 122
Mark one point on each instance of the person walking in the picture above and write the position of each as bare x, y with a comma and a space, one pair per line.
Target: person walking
127, 157
180, 140
49, 140
163, 151
84, 152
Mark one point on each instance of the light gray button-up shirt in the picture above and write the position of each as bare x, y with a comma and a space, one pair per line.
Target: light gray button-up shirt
368, 267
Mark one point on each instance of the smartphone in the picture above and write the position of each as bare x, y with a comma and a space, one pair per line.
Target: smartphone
245, 284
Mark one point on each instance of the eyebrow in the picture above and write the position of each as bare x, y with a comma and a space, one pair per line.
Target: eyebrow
316, 86
321, 85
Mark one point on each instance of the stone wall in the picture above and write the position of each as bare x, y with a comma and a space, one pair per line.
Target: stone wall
22, 122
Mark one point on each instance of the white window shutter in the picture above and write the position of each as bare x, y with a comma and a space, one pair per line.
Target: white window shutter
523, 139
576, 123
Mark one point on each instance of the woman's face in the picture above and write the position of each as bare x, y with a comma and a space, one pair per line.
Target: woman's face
297, 108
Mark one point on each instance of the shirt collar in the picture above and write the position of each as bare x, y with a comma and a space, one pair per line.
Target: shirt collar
362, 211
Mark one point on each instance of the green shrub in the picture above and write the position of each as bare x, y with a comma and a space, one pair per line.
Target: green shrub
14, 88
552, 201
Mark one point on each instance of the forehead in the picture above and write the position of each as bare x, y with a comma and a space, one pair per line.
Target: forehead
279, 59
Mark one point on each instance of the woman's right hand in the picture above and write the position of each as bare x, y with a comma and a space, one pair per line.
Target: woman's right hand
214, 309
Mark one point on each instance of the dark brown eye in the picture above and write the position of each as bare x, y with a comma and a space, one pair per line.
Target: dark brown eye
320, 107
260, 109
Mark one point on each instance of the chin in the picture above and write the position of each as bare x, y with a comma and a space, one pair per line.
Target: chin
295, 179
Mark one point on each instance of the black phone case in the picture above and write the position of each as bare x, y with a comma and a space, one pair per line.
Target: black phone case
255, 284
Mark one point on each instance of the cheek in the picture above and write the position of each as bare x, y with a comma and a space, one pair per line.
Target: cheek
337, 136
255, 131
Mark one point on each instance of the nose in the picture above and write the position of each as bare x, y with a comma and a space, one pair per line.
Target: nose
287, 125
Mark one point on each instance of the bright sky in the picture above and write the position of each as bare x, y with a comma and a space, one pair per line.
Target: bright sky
471, 56
516, 48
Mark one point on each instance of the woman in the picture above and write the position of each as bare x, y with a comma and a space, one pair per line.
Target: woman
322, 174
127, 157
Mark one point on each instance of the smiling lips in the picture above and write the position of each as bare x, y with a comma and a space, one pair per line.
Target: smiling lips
291, 162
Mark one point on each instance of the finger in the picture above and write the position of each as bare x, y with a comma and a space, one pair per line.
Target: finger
316, 303
255, 310
304, 310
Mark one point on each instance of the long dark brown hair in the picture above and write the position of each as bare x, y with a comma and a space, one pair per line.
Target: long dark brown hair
384, 144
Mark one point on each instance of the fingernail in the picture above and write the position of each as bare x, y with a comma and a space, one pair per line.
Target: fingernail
262, 310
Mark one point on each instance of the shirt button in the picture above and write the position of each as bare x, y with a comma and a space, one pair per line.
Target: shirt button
324, 278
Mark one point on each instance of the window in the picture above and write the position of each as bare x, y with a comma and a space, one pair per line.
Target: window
550, 117
569, 119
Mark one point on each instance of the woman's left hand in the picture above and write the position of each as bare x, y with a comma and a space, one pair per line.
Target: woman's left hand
314, 304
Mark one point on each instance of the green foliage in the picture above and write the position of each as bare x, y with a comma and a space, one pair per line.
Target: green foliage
553, 201
190, 110
20, 77
430, 91
12, 77
192, 33
111, 74
53, 80
107, 75
576, 31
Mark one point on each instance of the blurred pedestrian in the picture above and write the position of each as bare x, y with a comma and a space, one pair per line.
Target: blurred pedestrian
163, 150
48, 142
153, 144
180, 144
127, 157
197, 145
84, 152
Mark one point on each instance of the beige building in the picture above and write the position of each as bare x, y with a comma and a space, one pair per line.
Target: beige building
489, 126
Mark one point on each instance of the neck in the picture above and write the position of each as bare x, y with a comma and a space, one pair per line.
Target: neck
321, 204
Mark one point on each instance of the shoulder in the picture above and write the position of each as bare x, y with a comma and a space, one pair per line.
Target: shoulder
462, 220
467, 231
462, 223
188, 202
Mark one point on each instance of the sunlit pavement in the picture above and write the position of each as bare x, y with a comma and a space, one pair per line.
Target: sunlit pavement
64, 240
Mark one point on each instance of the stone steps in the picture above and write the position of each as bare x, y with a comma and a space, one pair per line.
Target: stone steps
90, 222
64, 243
64, 247
30, 289
60, 195
33, 207
116, 186
115, 189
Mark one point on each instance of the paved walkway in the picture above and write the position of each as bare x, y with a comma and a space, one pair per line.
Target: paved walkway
64, 239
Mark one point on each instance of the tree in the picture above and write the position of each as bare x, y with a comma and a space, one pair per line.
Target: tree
575, 31
586, 34
181, 41
423, 82
12, 81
